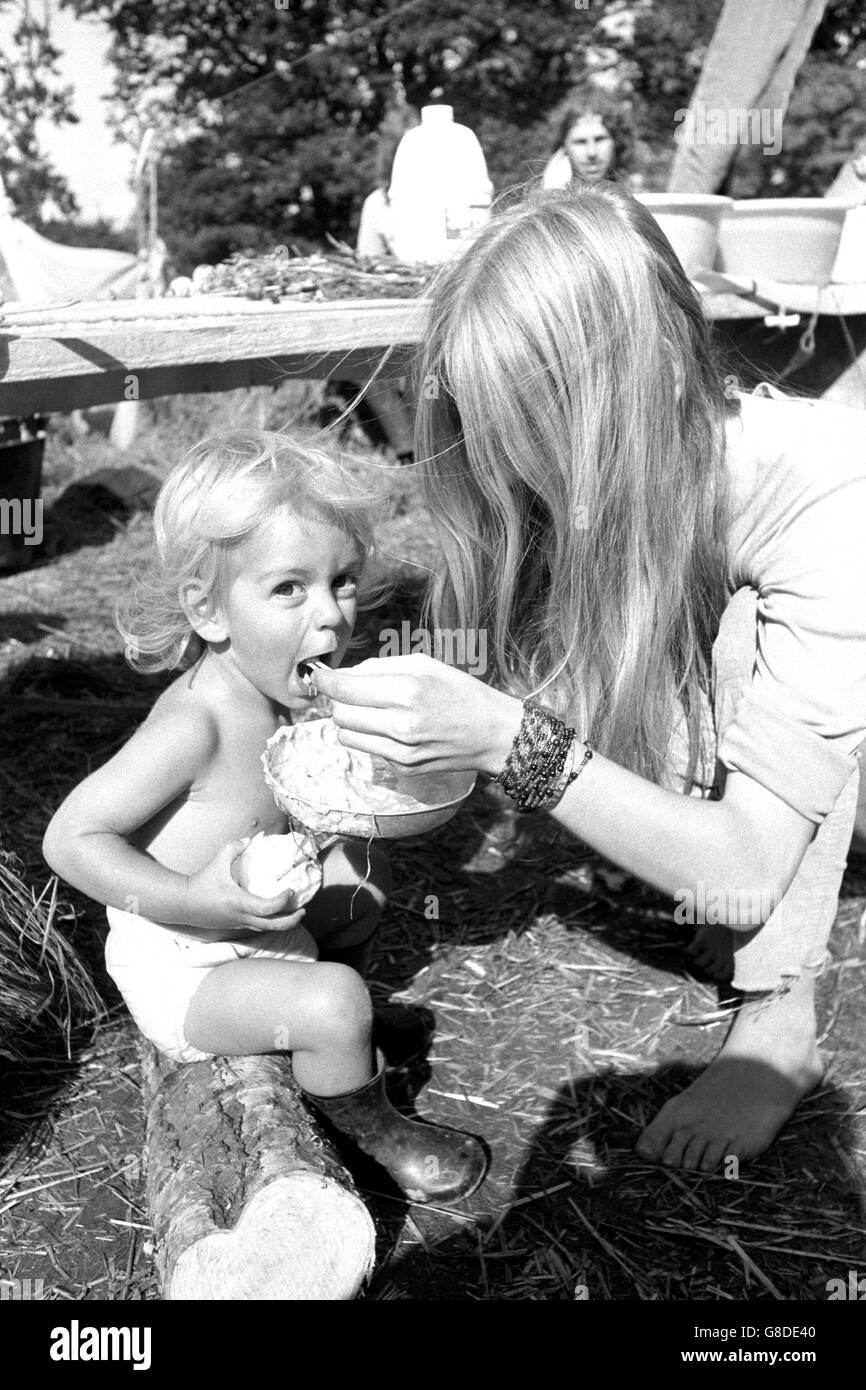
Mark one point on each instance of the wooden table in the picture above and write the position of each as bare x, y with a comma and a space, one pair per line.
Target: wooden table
93, 354
73, 357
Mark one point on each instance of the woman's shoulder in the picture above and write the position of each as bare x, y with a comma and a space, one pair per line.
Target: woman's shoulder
797, 488
779, 444
375, 228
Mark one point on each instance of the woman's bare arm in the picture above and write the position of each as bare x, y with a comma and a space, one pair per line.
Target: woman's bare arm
424, 715
745, 848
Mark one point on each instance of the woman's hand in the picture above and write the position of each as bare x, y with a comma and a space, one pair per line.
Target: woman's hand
216, 903
421, 714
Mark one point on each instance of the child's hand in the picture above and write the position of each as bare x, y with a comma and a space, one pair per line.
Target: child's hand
216, 902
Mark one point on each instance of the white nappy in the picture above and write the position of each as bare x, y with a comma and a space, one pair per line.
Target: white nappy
158, 970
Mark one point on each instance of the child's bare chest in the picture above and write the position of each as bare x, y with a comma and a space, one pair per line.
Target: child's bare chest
228, 801
234, 783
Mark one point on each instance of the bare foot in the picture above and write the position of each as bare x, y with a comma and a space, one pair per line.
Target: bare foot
713, 950
769, 1061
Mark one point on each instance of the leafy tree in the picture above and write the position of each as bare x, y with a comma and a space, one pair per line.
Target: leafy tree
29, 91
826, 115
826, 120
268, 117
842, 31
100, 233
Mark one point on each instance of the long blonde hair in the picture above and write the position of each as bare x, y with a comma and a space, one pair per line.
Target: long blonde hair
571, 439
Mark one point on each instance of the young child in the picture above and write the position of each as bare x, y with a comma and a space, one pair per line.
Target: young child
677, 572
259, 557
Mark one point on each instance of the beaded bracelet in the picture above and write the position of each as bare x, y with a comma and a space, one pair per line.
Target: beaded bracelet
540, 764
537, 758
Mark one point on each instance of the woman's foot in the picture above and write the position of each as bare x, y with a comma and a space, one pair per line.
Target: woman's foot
735, 1109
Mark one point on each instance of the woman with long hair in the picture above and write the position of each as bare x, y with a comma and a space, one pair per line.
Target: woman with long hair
592, 138
670, 576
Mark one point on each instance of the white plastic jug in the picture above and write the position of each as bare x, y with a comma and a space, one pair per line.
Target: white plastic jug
440, 191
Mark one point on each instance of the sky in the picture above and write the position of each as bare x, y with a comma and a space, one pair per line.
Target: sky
96, 168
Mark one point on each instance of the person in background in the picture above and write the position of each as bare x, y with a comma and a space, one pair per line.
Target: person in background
385, 401
670, 577
375, 238
592, 137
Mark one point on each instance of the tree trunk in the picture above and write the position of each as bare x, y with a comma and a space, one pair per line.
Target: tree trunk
247, 1200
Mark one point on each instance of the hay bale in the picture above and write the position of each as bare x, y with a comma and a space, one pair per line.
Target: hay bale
44, 984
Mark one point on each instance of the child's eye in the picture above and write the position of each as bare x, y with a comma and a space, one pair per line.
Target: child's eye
346, 581
289, 588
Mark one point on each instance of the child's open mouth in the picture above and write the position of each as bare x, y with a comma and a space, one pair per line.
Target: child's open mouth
307, 672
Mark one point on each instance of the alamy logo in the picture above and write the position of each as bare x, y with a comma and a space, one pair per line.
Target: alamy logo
21, 1289
77, 1343
854, 1289
464, 647
737, 907
733, 125
19, 518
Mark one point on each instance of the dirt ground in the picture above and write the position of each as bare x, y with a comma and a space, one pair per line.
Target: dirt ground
565, 1007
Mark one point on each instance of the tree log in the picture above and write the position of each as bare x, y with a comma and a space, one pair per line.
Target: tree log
248, 1201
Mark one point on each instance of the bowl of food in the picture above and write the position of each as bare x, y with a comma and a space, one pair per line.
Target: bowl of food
794, 241
331, 789
690, 221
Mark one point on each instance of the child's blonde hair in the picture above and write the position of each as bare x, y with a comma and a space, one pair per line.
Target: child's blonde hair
213, 500
571, 438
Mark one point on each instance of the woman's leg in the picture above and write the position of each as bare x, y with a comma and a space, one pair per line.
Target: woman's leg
344, 914
343, 918
395, 413
769, 1060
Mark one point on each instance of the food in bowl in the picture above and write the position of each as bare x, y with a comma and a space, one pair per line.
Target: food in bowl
326, 786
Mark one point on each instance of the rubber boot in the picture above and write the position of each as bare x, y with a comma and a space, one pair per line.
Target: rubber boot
431, 1163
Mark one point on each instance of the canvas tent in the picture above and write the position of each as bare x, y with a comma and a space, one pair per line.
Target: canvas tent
34, 269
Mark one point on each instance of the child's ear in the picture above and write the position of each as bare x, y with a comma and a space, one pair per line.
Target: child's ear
202, 614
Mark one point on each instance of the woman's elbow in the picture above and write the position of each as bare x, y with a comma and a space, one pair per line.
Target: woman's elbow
767, 840
753, 907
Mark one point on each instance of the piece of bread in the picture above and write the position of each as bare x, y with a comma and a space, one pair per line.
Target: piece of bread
272, 863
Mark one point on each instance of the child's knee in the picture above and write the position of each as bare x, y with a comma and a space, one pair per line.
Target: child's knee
344, 1004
